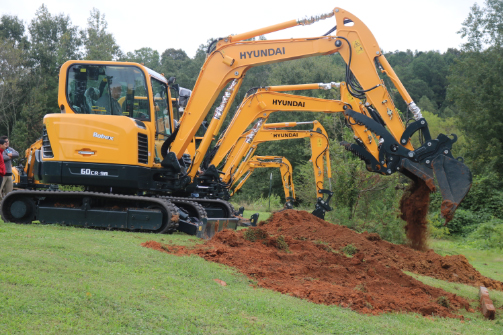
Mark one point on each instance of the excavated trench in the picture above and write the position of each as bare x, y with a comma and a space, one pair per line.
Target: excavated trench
301, 255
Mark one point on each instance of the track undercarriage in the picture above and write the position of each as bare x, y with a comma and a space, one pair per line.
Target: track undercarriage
156, 214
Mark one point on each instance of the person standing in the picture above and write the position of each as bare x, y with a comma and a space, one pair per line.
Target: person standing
3, 146
7, 155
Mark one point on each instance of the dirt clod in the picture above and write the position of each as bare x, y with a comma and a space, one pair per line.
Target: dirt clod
314, 268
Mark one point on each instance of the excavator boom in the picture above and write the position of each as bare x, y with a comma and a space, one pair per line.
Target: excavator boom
232, 57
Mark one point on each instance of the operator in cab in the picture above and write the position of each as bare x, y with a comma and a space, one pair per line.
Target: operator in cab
110, 101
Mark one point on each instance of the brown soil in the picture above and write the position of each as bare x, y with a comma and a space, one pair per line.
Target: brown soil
298, 254
414, 207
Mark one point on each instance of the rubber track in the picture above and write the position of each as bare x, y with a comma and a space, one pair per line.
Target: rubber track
228, 206
169, 207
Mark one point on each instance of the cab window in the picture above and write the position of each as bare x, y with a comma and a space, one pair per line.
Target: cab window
162, 117
108, 90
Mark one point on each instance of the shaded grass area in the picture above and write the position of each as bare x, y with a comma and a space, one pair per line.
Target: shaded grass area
56, 280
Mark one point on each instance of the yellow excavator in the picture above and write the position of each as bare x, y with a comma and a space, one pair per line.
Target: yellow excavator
256, 162
132, 158
247, 144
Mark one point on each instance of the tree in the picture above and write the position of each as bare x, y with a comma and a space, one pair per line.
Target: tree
28, 128
99, 44
483, 27
476, 81
176, 63
424, 75
53, 41
146, 56
12, 28
13, 70
11, 74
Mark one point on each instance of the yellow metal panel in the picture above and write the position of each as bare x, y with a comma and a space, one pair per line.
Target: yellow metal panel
112, 138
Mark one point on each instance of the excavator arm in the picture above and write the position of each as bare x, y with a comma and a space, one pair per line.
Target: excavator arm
258, 107
233, 56
271, 132
267, 162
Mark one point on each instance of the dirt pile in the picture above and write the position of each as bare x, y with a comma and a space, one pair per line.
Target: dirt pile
414, 208
298, 254
302, 225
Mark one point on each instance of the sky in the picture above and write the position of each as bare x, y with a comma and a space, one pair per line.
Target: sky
421, 25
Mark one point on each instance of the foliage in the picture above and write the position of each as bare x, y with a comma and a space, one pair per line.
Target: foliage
424, 74
436, 227
146, 56
465, 221
253, 234
484, 26
54, 40
489, 235
13, 29
70, 188
99, 44
262, 203
349, 250
475, 86
282, 244
485, 195
11, 78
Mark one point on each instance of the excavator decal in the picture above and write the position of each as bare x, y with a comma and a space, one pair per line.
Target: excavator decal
289, 103
262, 53
286, 135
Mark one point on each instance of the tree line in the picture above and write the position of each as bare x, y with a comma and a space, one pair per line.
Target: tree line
459, 91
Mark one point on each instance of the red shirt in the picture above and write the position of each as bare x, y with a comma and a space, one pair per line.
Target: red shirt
2, 163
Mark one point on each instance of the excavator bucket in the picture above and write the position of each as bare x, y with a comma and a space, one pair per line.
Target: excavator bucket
432, 159
454, 180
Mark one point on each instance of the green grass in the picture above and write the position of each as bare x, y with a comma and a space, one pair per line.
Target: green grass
261, 215
467, 291
63, 280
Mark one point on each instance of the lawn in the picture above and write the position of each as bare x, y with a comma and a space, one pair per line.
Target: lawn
64, 280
